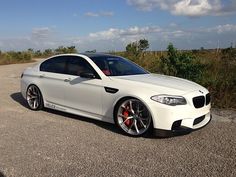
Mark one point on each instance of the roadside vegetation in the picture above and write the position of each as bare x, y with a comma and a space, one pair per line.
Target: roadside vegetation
215, 69
12, 57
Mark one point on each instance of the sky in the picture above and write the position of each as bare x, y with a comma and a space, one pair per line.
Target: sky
109, 25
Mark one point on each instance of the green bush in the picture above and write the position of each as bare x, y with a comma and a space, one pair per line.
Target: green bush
220, 78
181, 64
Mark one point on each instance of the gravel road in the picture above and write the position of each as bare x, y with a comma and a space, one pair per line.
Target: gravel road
50, 143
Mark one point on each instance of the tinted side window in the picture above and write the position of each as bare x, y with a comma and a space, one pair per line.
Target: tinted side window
117, 66
55, 65
77, 65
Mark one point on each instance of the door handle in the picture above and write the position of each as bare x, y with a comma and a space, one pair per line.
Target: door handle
67, 80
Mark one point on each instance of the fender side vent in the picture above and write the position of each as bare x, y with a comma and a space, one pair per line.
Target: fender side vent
208, 98
111, 90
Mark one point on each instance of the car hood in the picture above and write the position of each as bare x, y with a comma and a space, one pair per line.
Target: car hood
160, 82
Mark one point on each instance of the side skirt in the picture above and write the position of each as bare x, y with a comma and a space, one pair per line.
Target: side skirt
78, 112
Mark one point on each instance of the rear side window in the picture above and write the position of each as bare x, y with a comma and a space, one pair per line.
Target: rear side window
55, 65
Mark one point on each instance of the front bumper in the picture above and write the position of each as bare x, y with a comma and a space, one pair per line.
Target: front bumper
181, 130
181, 118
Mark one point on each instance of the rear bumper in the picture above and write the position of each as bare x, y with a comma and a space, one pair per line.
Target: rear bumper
182, 130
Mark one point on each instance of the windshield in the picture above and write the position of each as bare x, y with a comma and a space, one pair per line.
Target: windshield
117, 66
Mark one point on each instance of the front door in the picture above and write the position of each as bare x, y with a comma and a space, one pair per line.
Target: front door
83, 94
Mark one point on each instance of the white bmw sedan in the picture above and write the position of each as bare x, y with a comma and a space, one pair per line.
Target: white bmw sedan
113, 89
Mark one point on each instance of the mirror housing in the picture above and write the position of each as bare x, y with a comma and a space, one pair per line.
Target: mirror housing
87, 75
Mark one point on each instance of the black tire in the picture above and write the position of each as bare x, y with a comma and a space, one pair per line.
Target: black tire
130, 119
34, 98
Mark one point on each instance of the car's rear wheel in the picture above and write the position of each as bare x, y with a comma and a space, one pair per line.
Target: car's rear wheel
34, 98
133, 117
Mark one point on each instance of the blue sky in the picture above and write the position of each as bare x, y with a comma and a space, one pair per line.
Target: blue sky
107, 25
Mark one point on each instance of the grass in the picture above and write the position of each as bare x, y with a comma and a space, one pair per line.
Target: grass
15, 57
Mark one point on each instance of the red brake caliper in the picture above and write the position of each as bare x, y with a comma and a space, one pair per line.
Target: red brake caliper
126, 115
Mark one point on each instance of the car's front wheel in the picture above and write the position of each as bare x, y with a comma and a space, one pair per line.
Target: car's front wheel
133, 117
34, 98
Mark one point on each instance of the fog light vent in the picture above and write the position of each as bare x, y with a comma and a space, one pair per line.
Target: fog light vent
176, 125
198, 120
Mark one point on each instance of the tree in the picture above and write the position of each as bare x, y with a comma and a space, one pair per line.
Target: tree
132, 48
30, 50
137, 47
62, 50
71, 49
143, 44
38, 53
47, 52
91, 51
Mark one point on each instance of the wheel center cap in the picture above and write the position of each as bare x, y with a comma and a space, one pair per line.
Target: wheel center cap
135, 116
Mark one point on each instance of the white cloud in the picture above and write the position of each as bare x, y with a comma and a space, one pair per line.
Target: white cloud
108, 14
173, 25
108, 34
222, 28
132, 32
39, 38
91, 14
41, 33
145, 5
190, 8
118, 38
99, 14
226, 28
194, 8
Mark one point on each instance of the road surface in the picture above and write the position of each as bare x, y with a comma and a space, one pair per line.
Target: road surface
50, 143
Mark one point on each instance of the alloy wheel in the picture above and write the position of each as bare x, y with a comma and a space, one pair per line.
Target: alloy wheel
34, 98
133, 117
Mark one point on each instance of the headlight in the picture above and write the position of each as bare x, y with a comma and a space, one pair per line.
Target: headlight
169, 100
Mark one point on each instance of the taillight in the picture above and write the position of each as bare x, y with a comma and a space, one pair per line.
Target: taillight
22, 75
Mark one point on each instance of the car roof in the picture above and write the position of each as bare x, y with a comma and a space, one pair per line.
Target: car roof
87, 54
97, 55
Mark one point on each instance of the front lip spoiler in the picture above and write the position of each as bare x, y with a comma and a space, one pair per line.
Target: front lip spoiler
178, 132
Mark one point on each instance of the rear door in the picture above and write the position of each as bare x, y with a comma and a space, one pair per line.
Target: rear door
52, 79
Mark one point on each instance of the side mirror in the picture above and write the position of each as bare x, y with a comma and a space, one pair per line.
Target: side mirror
87, 75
